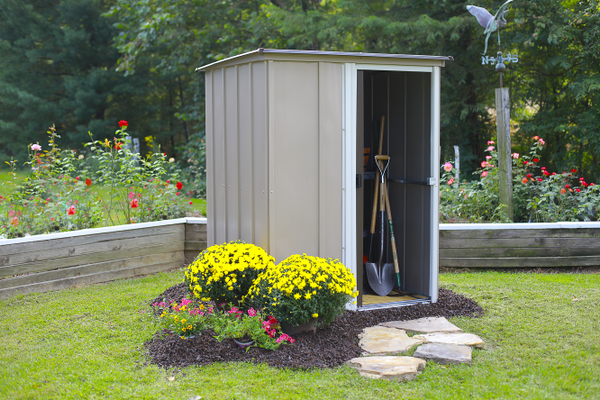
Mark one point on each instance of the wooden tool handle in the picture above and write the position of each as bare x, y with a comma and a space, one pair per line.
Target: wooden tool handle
392, 238
374, 214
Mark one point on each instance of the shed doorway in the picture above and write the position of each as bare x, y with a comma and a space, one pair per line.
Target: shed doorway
404, 100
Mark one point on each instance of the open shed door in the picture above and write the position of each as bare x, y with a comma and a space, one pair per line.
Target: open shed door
405, 99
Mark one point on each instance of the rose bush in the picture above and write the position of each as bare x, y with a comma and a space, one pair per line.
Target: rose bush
538, 194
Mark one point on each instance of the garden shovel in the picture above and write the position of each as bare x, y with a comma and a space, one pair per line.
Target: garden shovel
381, 277
389, 215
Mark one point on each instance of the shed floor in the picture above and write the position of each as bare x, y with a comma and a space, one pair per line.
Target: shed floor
373, 301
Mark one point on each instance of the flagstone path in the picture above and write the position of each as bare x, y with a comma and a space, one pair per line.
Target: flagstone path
439, 341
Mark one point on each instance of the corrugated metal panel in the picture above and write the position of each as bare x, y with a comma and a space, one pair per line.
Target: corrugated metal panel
294, 197
260, 153
246, 167
330, 160
220, 157
210, 139
231, 160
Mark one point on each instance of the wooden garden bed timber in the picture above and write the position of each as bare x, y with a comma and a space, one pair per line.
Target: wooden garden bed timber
538, 245
69, 259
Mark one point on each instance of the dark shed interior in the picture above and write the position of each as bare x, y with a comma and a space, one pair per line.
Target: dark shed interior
404, 98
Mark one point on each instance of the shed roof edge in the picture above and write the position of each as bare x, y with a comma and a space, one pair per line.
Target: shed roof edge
259, 55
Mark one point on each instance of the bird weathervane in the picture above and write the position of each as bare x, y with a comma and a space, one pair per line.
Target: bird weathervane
493, 23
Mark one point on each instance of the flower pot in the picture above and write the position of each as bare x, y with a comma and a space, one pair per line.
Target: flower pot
243, 343
309, 326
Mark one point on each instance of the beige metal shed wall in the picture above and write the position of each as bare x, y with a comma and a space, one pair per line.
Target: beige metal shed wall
237, 158
305, 136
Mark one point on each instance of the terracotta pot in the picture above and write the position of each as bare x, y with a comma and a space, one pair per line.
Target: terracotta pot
309, 326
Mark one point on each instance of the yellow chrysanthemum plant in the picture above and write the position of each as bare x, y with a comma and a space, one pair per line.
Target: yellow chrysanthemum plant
303, 287
224, 273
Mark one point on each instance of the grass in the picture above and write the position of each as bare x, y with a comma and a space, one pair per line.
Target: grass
541, 333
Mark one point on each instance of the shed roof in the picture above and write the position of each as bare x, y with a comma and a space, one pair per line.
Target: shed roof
331, 56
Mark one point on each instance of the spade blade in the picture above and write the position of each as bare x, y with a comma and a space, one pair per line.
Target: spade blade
381, 280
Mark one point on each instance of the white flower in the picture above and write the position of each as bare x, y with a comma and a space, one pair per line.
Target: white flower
171, 159
80, 157
36, 147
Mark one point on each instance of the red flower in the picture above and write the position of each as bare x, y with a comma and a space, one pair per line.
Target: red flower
574, 170
540, 179
191, 202
179, 185
524, 162
529, 175
567, 186
88, 182
168, 181
272, 320
592, 184
118, 145
134, 203
536, 159
71, 210
578, 190
123, 123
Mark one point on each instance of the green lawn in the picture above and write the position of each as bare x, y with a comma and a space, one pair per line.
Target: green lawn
542, 334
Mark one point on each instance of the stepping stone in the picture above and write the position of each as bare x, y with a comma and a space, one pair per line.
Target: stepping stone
391, 368
424, 325
379, 340
465, 339
443, 353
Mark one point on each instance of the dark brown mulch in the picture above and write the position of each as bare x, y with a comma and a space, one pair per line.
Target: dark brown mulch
327, 348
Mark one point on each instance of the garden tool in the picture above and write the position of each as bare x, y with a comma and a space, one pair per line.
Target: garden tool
381, 277
374, 213
389, 215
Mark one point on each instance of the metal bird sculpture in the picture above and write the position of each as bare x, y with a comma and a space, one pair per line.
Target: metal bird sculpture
490, 22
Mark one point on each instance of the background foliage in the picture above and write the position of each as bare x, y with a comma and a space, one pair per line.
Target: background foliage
85, 64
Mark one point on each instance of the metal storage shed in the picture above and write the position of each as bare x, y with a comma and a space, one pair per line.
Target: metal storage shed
286, 132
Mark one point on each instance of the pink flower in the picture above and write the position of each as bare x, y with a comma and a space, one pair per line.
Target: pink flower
168, 181
578, 190
131, 195
11, 213
448, 167
36, 147
71, 210
450, 181
14, 221
488, 157
134, 203
252, 312
177, 194
515, 156
541, 141
484, 164
540, 179
491, 142
491, 148
484, 174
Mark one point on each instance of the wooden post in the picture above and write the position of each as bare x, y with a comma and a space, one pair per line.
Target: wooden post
504, 148
456, 166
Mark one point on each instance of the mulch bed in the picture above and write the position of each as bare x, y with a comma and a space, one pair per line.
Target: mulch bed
327, 348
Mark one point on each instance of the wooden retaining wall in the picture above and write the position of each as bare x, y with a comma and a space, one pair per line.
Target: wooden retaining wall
69, 259
538, 245
56, 261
